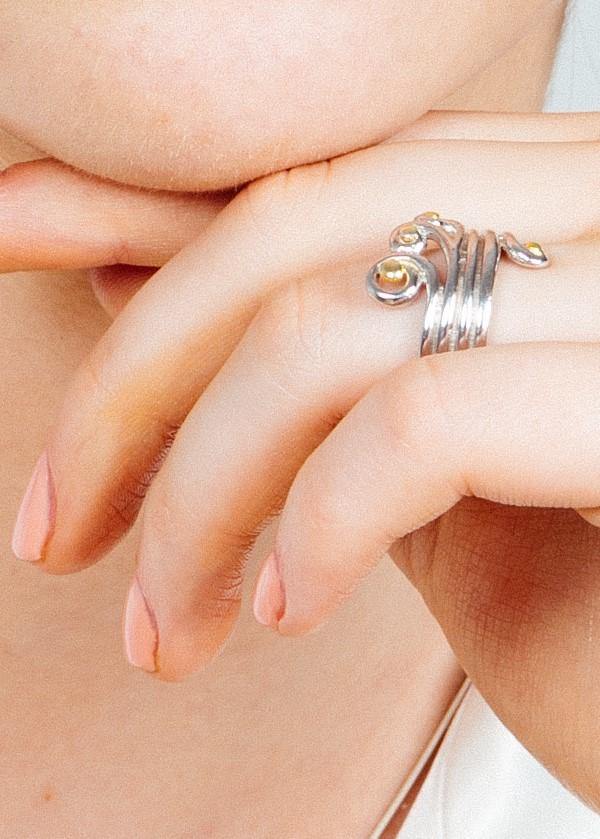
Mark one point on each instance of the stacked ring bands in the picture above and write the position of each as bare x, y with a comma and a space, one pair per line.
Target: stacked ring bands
459, 301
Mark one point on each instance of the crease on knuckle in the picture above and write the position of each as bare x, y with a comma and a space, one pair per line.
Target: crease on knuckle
294, 340
422, 424
93, 373
125, 503
220, 593
121, 251
217, 587
162, 515
276, 201
308, 327
96, 374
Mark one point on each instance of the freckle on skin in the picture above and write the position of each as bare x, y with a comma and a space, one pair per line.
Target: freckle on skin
48, 794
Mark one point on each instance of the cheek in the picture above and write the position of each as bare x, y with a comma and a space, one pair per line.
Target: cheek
166, 96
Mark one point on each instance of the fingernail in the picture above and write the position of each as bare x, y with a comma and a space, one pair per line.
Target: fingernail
269, 598
140, 630
35, 520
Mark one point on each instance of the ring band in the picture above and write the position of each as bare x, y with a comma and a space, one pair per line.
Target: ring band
459, 303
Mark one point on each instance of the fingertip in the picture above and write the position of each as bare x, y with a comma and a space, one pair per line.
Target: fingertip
271, 606
291, 626
37, 514
269, 595
140, 631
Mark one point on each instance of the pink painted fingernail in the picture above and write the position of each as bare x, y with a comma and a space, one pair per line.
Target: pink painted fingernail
140, 630
269, 598
35, 520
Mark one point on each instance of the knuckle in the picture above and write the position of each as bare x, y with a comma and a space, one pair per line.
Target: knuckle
315, 498
220, 592
277, 201
416, 411
96, 382
216, 585
92, 375
295, 334
416, 406
411, 407
163, 514
135, 484
121, 251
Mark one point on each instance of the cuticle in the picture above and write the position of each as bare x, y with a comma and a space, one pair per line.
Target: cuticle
154, 624
52, 511
281, 615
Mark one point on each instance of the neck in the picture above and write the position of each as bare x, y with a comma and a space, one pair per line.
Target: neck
517, 81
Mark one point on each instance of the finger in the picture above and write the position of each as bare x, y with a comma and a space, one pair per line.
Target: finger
57, 217
54, 217
148, 370
313, 350
516, 595
234, 457
421, 441
521, 128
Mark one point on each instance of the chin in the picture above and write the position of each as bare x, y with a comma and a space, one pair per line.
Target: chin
198, 100
205, 148
194, 97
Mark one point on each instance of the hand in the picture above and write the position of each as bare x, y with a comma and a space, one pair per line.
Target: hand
267, 316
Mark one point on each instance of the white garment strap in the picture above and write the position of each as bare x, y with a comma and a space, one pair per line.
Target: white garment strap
416, 770
575, 80
484, 784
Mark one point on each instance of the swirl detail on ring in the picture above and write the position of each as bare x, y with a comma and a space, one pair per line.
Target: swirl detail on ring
459, 297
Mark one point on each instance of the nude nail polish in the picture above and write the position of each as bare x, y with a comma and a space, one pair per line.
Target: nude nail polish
140, 631
269, 598
35, 520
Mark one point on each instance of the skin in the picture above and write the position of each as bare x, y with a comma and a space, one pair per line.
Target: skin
93, 748
224, 111
324, 373
217, 809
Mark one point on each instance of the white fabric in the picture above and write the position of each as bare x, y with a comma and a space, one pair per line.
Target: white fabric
483, 784
575, 82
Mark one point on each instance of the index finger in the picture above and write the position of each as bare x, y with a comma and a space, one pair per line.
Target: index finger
52, 216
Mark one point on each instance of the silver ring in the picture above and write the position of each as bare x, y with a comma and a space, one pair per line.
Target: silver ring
459, 300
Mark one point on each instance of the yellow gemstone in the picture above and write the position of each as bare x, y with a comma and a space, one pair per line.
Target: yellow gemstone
433, 216
394, 271
409, 236
534, 248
